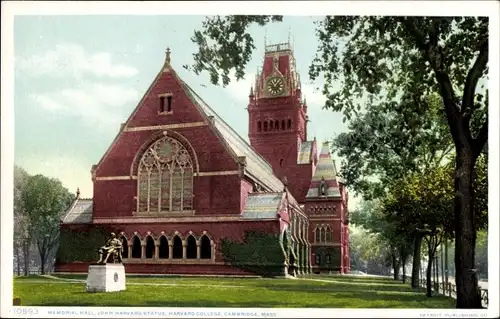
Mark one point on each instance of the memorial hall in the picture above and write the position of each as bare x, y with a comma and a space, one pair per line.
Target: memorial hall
187, 195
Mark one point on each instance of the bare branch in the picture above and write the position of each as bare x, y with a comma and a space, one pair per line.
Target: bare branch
472, 78
444, 153
434, 57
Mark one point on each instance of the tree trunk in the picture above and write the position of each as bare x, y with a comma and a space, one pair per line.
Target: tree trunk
468, 293
403, 257
18, 258
404, 269
442, 270
26, 253
395, 265
42, 264
429, 276
415, 272
446, 271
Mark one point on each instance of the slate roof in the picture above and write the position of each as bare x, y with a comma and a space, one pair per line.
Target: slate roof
327, 170
79, 213
256, 166
262, 205
304, 154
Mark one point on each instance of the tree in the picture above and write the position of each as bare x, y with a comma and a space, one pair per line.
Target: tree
368, 251
383, 57
44, 200
385, 143
374, 218
22, 238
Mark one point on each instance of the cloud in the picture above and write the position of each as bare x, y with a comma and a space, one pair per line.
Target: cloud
314, 97
72, 172
239, 90
92, 102
72, 60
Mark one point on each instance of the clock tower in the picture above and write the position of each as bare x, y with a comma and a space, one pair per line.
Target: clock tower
278, 117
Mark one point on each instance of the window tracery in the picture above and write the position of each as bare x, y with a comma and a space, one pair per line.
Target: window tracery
323, 234
165, 178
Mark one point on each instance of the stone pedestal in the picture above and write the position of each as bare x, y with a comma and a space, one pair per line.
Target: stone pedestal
106, 278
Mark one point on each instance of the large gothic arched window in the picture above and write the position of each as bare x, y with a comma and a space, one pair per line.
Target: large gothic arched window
165, 178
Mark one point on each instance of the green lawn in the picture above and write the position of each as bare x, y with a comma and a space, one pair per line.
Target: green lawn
306, 292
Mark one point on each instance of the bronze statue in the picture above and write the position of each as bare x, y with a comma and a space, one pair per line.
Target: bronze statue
113, 248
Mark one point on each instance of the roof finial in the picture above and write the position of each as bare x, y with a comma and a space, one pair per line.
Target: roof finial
77, 192
167, 55
265, 39
251, 91
289, 33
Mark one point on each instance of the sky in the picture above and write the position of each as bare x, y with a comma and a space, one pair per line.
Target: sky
78, 77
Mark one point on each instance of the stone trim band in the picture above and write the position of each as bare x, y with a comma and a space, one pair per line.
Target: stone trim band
201, 174
164, 127
194, 219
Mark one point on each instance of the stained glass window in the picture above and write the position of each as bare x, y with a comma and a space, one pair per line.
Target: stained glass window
165, 178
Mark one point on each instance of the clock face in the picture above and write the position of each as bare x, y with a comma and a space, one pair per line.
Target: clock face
275, 86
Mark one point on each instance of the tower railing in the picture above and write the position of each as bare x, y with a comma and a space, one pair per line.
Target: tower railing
284, 46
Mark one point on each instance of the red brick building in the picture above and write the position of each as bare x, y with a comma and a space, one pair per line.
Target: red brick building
177, 180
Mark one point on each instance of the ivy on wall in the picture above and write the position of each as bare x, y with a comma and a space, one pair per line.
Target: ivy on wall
334, 253
259, 253
79, 245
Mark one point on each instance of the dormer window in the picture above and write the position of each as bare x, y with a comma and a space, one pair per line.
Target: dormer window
166, 102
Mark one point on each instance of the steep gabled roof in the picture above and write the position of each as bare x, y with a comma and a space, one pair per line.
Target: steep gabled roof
256, 166
304, 154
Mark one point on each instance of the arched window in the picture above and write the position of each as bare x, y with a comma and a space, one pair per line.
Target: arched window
271, 125
125, 246
328, 234
136, 247
276, 125
205, 247
265, 126
282, 125
165, 178
322, 234
289, 124
177, 249
318, 259
163, 250
191, 248
317, 237
150, 247
259, 126
328, 258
